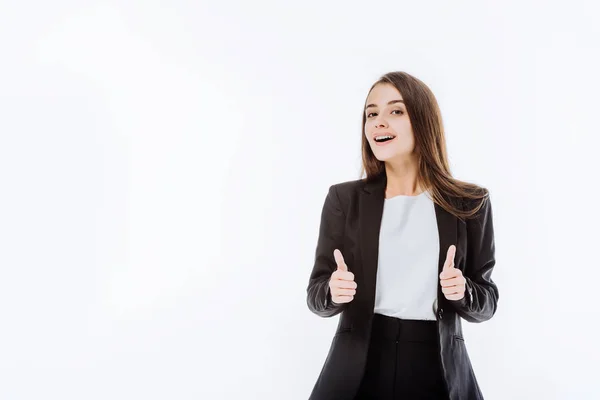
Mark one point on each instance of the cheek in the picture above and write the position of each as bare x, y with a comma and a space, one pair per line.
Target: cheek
405, 135
403, 126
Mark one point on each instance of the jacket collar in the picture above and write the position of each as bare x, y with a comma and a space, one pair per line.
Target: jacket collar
370, 215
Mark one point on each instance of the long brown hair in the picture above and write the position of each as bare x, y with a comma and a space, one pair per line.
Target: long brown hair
430, 146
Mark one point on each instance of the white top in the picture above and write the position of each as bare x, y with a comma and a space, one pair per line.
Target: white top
409, 248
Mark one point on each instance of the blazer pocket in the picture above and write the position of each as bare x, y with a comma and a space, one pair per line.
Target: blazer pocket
458, 337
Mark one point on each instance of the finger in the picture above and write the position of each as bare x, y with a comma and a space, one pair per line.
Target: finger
343, 275
450, 257
453, 290
454, 281
455, 296
448, 270
450, 273
344, 284
343, 299
344, 292
339, 260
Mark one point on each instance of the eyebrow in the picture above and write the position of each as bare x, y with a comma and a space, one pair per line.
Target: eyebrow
389, 103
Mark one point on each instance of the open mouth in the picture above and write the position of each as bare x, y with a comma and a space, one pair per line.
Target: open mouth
381, 140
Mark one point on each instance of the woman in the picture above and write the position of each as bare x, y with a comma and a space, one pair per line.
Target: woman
402, 255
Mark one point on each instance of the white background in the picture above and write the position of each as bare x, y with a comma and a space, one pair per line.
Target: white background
163, 166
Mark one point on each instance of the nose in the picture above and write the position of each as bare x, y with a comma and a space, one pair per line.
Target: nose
379, 122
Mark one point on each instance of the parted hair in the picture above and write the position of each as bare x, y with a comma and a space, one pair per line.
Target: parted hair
430, 146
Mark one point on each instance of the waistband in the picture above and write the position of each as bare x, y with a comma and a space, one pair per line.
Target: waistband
392, 328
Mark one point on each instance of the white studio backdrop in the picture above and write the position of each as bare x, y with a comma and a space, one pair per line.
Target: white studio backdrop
164, 166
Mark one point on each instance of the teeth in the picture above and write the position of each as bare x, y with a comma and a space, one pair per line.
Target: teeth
378, 138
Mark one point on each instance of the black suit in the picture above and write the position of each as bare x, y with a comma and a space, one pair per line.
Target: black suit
350, 222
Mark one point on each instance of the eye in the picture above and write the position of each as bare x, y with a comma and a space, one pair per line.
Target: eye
401, 112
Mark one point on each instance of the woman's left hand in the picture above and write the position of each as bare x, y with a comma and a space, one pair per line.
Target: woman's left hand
452, 280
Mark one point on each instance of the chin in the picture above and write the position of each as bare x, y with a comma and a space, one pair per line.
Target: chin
382, 157
385, 155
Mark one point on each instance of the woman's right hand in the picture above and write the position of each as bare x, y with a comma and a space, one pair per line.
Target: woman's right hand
341, 283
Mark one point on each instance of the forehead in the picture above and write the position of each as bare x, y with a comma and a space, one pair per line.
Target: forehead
382, 93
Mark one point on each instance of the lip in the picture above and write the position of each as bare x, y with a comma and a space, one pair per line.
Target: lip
384, 143
383, 133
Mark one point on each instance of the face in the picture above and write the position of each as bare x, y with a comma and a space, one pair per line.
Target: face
383, 118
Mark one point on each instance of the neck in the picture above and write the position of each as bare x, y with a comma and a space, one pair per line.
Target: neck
402, 178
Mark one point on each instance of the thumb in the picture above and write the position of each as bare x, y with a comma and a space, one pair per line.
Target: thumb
449, 264
339, 260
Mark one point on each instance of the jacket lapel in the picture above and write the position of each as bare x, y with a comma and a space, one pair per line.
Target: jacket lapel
370, 214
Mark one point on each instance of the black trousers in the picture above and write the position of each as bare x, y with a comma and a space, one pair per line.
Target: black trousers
403, 361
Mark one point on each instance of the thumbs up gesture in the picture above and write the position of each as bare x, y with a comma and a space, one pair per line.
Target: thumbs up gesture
341, 283
452, 280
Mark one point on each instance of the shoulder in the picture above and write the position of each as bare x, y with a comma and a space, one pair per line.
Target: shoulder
344, 194
347, 189
477, 201
348, 186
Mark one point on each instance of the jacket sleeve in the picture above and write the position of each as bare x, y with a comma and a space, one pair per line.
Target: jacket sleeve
481, 295
331, 234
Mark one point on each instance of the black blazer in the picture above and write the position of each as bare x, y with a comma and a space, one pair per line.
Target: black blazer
350, 222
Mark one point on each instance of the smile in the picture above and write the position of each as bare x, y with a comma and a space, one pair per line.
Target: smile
385, 142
